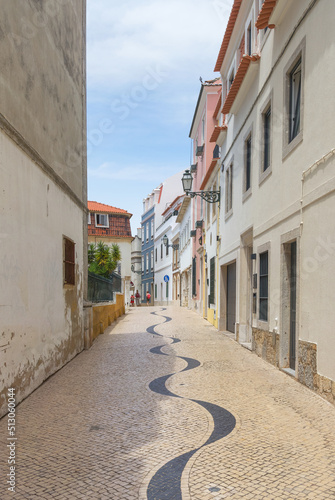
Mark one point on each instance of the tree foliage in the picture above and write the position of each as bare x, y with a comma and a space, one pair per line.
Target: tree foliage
103, 259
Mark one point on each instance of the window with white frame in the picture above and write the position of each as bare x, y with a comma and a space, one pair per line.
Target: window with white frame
152, 229
147, 231
266, 138
249, 40
247, 164
142, 234
101, 220
295, 100
263, 285
229, 188
142, 264
231, 79
214, 205
147, 262
89, 218
152, 260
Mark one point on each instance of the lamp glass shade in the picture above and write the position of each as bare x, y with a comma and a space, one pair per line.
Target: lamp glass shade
165, 240
187, 180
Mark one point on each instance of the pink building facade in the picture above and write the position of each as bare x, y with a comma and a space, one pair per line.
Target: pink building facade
202, 128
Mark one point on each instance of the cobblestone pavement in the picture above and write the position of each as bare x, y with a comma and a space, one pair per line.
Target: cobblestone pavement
113, 425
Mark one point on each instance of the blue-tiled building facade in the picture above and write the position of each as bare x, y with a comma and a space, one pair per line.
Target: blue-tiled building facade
147, 225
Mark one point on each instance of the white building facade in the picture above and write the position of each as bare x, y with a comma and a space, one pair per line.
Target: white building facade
277, 178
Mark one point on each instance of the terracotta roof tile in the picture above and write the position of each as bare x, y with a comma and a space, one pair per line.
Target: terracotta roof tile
239, 77
216, 132
265, 13
229, 30
94, 206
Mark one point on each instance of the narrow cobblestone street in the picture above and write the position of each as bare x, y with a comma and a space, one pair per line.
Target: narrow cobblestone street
113, 424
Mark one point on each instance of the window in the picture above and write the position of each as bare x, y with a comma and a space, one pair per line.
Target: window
89, 218
155, 254
247, 167
142, 264
208, 213
295, 100
152, 260
142, 235
263, 286
101, 220
147, 262
143, 293
266, 138
147, 230
161, 250
69, 261
152, 229
249, 40
167, 249
155, 291
229, 188
211, 298
194, 276
231, 79
214, 205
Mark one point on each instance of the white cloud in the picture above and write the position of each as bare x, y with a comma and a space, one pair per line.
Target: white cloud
134, 35
138, 173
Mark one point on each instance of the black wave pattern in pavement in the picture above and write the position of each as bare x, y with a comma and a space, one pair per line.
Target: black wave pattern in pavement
166, 483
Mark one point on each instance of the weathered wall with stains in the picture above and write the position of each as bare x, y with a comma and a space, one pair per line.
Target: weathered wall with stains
41, 84
43, 193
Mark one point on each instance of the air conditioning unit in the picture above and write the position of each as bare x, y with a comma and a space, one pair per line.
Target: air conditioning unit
193, 233
194, 167
199, 224
199, 151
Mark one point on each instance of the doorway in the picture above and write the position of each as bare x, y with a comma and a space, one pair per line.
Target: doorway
231, 297
293, 302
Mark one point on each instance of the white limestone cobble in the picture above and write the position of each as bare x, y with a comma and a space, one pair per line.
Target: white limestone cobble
95, 430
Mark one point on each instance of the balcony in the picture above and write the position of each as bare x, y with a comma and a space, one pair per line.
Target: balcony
244, 76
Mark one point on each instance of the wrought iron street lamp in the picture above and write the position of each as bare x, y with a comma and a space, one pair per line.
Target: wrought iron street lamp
165, 239
133, 270
209, 196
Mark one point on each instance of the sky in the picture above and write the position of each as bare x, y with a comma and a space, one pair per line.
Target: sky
144, 62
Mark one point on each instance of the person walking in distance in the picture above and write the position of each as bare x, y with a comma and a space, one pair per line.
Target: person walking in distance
148, 298
137, 298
